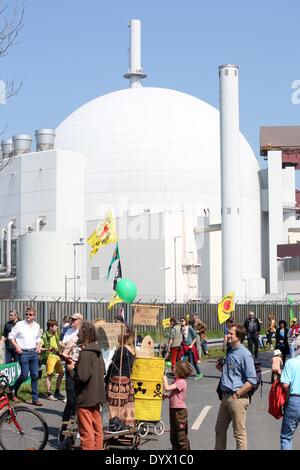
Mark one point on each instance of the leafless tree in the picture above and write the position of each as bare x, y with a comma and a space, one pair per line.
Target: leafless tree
9, 32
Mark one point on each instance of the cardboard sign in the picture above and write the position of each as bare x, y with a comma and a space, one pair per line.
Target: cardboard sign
108, 333
145, 315
147, 348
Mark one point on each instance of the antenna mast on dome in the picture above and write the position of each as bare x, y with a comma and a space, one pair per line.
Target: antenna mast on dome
135, 72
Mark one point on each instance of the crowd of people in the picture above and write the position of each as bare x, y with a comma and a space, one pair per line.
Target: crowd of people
74, 353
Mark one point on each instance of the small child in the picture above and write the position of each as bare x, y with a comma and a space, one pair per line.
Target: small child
178, 409
276, 365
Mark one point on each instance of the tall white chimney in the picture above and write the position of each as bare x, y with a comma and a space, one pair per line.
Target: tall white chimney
135, 72
230, 178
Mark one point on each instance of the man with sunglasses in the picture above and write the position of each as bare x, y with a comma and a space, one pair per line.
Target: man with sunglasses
25, 336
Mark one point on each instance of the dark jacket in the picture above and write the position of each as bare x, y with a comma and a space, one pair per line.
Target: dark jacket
125, 366
257, 324
6, 330
282, 342
89, 377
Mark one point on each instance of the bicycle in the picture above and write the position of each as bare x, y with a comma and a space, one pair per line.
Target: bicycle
20, 427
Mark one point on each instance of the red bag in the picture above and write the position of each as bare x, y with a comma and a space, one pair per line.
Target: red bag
277, 398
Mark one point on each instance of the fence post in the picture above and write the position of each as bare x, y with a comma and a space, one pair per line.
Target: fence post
88, 311
45, 311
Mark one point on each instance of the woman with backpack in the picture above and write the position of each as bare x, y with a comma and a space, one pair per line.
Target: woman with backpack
120, 391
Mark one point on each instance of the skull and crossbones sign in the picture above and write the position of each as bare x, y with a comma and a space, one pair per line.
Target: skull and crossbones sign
157, 391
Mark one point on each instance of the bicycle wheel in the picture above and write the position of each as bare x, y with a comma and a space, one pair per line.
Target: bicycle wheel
159, 428
34, 434
143, 429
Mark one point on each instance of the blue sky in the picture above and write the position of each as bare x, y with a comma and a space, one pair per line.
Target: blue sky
70, 52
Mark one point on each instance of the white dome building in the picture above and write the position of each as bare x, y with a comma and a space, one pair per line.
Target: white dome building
159, 150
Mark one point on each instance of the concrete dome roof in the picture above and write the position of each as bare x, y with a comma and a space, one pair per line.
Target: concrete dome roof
156, 147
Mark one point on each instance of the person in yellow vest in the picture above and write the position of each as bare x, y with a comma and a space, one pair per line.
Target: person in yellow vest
50, 345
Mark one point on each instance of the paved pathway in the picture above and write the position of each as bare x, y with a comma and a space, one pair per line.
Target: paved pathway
203, 405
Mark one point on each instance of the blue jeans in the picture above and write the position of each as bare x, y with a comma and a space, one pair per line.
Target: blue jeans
290, 422
192, 361
29, 363
10, 356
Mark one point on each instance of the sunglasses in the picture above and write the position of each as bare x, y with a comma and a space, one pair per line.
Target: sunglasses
29, 314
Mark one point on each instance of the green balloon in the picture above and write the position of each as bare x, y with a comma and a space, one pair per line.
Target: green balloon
126, 290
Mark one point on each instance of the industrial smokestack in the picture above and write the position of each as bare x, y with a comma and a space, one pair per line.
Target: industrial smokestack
44, 139
135, 72
22, 143
7, 147
230, 178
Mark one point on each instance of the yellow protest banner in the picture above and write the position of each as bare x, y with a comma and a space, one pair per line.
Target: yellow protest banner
104, 234
225, 307
166, 323
113, 301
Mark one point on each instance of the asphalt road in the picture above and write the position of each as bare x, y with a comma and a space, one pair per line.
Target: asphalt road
203, 404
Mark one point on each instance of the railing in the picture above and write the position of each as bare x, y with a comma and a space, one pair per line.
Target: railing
208, 313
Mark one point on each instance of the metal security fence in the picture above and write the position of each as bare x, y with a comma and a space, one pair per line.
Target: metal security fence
208, 313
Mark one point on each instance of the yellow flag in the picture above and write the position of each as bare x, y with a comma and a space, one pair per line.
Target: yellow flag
104, 234
225, 307
113, 301
166, 323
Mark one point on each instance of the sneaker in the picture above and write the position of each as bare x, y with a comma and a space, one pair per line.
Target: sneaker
271, 347
64, 400
59, 396
199, 376
51, 397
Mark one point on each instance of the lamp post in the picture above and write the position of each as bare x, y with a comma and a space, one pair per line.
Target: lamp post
80, 243
246, 288
67, 279
175, 268
283, 277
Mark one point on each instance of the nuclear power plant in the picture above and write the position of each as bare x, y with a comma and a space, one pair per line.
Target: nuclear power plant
197, 217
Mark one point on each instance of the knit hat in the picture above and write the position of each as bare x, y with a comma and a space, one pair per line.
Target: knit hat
277, 352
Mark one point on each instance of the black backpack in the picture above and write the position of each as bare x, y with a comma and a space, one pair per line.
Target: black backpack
259, 381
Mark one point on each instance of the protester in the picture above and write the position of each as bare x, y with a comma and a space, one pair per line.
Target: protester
25, 338
290, 378
178, 409
276, 365
292, 334
120, 319
271, 330
201, 328
226, 345
50, 357
66, 325
88, 376
252, 327
10, 351
68, 345
189, 350
193, 320
281, 337
120, 391
175, 341
238, 377
261, 344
